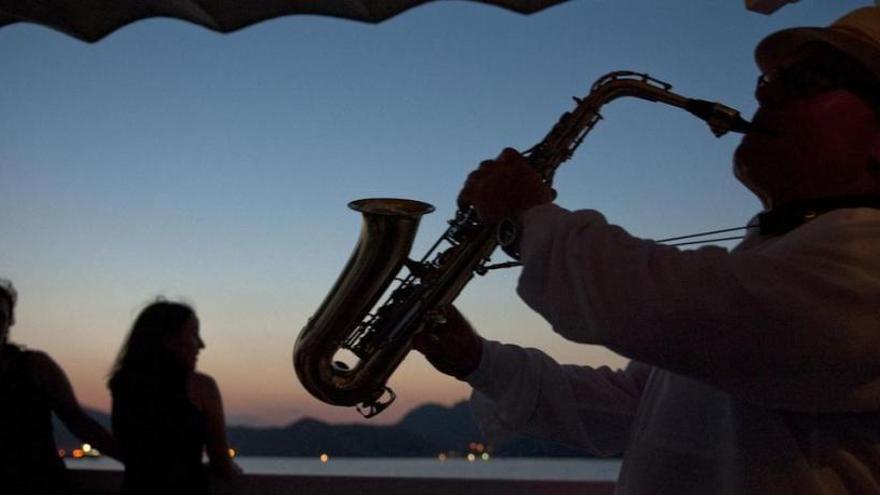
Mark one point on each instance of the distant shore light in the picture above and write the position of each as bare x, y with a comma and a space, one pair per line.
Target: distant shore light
476, 447
471, 457
441, 457
232, 452
324, 458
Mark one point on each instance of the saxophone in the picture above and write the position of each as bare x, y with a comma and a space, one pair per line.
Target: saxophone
350, 347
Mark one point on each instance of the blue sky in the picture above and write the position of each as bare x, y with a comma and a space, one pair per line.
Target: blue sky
172, 160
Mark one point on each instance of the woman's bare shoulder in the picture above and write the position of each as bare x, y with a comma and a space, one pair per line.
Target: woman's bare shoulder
202, 379
41, 364
202, 388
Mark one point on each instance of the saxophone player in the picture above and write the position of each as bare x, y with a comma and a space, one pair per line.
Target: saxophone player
754, 371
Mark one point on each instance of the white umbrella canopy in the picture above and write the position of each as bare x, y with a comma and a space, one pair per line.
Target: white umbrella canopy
91, 20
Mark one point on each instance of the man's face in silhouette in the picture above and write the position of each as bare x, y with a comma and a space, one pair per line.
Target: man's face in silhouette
5, 319
821, 132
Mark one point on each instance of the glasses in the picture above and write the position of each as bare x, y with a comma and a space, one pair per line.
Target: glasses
800, 80
809, 79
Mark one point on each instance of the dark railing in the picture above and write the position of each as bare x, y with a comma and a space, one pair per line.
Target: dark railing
103, 482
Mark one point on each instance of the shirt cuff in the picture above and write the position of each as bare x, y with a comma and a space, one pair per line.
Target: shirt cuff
481, 376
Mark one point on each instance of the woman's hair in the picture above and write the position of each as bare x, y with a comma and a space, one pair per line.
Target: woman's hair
8, 292
145, 350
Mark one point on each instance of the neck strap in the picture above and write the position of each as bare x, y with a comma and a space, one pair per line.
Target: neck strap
784, 218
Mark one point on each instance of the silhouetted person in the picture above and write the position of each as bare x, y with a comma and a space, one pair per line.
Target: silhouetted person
32, 387
165, 413
755, 371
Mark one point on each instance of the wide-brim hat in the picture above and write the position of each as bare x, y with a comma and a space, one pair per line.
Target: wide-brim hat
856, 34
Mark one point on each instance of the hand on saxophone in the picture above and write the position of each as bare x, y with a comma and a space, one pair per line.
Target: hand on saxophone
450, 343
504, 188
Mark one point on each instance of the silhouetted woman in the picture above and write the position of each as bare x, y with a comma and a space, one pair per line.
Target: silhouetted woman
32, 387
165, 413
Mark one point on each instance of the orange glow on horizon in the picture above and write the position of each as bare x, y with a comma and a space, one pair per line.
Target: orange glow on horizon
269, 393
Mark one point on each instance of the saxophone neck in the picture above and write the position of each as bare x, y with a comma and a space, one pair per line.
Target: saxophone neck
721, 118
568, 133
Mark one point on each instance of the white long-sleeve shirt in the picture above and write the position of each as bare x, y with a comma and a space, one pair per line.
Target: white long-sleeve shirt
764, 362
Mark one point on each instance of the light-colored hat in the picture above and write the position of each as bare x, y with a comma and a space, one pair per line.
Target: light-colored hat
8, 289
857, 34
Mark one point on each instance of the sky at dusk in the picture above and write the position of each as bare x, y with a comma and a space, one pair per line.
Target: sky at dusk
170, 160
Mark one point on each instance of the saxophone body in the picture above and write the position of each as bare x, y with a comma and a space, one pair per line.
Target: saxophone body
350, 347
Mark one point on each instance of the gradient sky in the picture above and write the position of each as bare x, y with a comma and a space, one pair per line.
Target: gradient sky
172, 160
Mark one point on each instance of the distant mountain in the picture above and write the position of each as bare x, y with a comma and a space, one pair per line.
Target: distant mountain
449, 429
424, 432
310, 438
64, 439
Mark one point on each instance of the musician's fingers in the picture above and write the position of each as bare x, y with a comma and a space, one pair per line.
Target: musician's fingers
425, 342
454, 318
510, 155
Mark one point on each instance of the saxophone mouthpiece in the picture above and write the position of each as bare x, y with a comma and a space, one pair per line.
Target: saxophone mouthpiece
721, 118
741, 125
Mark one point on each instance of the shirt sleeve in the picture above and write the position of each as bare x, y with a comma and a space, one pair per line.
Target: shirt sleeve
524, 391
792, 325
